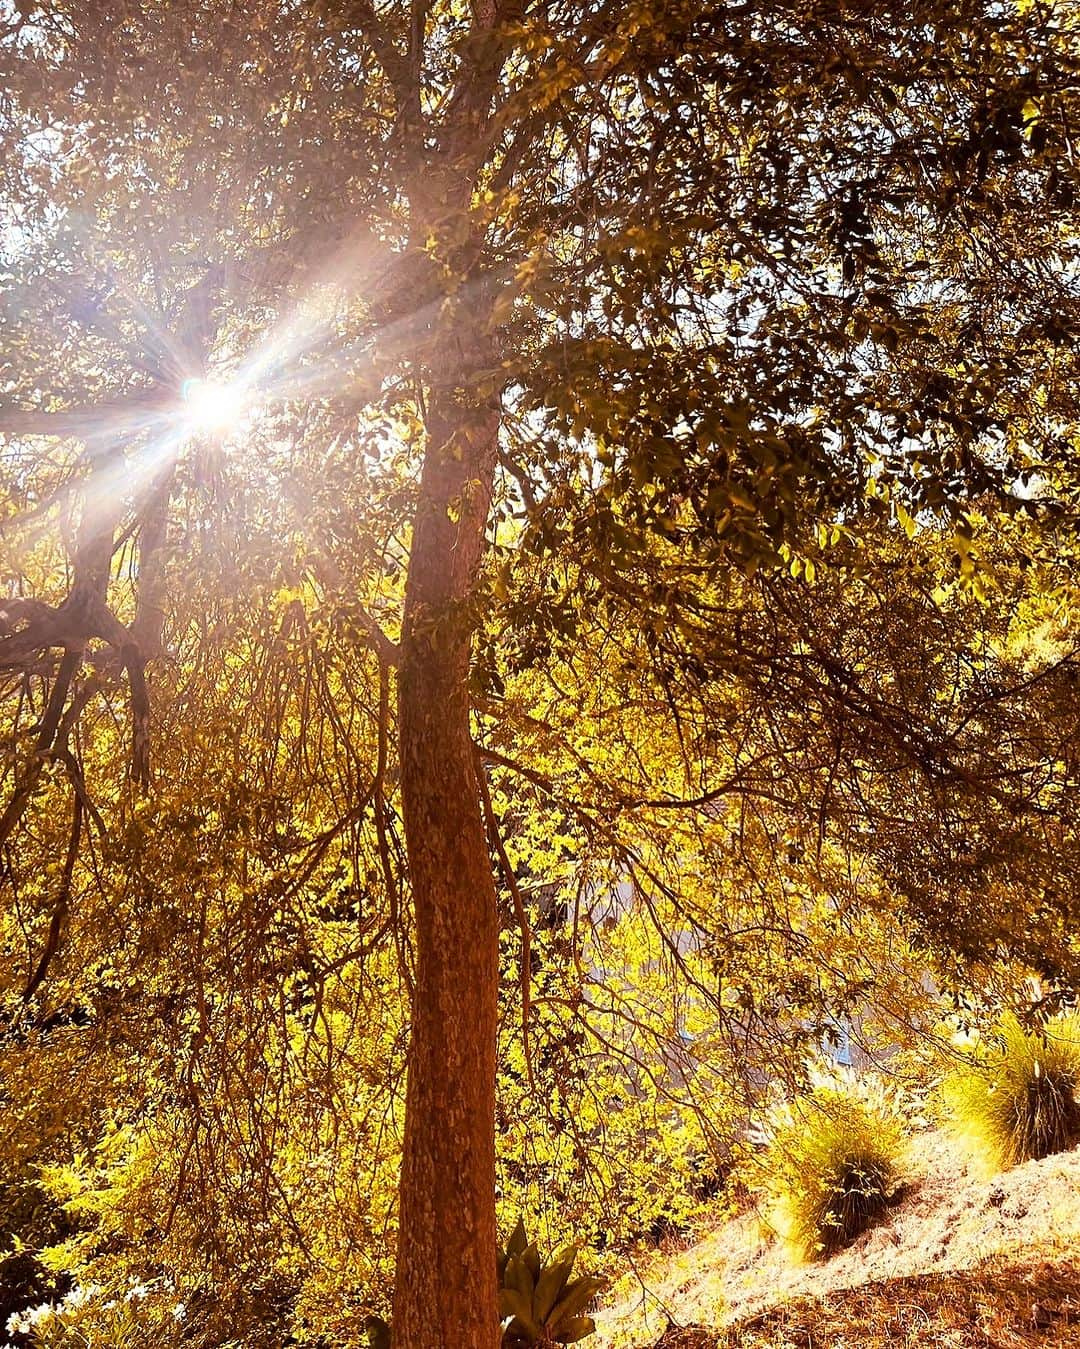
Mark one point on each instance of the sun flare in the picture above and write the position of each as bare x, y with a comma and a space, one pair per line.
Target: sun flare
211, 406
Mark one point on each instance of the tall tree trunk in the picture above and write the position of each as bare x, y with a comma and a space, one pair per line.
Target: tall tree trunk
446, 1293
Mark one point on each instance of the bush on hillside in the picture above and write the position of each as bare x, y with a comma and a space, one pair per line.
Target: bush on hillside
831, 1165
1018, 1098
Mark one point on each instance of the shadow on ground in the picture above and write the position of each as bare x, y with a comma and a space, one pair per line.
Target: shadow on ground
995, 1305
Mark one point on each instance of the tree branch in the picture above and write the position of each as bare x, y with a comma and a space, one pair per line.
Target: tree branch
394, 65
525, 976
60, 908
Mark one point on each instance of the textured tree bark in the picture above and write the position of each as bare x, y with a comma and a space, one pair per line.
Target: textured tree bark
446, 1294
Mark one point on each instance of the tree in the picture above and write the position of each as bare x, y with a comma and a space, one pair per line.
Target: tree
684, 288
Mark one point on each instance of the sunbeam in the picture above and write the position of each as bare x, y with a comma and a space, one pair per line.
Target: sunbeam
213, 406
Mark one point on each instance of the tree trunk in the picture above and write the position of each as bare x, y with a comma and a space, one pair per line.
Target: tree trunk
446, 1294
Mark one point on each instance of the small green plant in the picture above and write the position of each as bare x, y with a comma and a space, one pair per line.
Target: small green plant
540, 1303
830, 1166
87, 1318
1018, 1098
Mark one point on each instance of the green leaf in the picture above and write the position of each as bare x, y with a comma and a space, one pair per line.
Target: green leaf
531, 1258
577, 1329
576, 1298
519, 1276
512, 1302
552, 1281
518, 1240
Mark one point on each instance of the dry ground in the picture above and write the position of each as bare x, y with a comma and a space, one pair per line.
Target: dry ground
962, 1261
997, 1305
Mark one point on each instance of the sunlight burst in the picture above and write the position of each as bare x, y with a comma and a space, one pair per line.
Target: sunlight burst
212, 407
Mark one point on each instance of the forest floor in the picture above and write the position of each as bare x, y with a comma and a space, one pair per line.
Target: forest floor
961, 1261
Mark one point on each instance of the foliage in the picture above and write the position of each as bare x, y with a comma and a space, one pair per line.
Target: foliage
29, 1220
832, 1164
137, 1317
745, 339
1018, 1098
539, 1301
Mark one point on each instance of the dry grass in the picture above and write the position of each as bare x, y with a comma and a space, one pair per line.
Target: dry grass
999, 1305
830, 1168
950, 1230
1018, 1101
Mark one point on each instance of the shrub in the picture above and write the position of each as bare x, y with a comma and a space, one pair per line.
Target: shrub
1018, 1099
831, 1165
540, 1303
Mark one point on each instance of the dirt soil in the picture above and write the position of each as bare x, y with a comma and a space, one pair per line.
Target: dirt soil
997, 1305
951, 1219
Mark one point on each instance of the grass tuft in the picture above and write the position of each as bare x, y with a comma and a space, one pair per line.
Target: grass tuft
830, 1168
1018, 1100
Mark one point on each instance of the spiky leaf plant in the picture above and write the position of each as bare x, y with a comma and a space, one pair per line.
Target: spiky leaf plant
1018, 1098
831, 1165
540, 1303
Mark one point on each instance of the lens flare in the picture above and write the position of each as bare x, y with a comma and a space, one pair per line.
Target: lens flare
212, 407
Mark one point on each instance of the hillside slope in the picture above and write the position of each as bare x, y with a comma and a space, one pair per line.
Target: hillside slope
960, 1261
